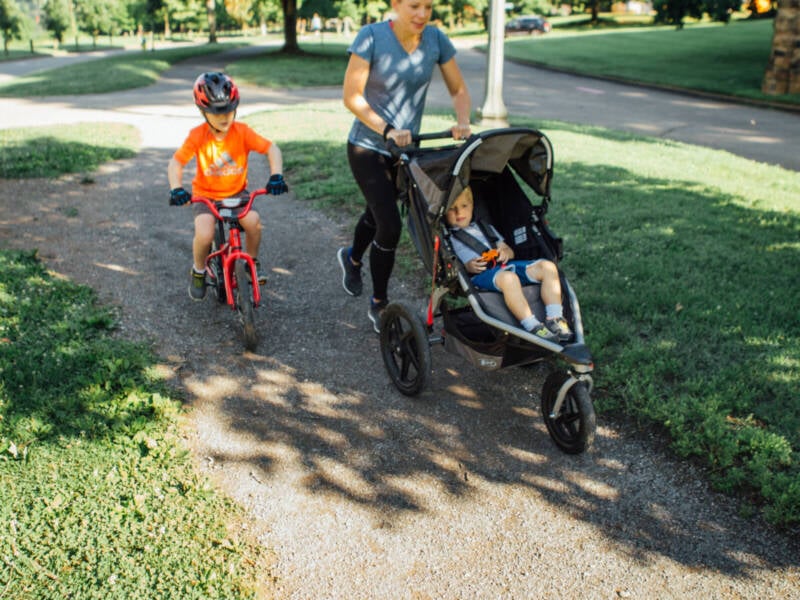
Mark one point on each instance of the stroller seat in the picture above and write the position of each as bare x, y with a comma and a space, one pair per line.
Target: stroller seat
495, 305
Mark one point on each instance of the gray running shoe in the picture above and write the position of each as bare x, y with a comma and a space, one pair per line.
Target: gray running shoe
374, 313
351, 274
197, 286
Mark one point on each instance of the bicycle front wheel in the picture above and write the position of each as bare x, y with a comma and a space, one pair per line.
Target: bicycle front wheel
217, 274
244, 304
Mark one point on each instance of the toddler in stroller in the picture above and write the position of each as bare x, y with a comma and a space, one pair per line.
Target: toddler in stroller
491, 323
486, 256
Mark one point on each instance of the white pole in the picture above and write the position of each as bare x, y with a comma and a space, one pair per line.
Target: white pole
493, 113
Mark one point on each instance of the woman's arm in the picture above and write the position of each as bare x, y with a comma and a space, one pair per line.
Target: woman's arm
462, 103
355, 82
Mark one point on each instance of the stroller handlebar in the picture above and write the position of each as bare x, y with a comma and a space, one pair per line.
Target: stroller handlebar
396, 151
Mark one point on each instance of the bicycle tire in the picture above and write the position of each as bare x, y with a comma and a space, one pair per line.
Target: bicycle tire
244, 304
217, 274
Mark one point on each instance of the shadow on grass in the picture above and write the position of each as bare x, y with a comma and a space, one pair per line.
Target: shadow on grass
63, 374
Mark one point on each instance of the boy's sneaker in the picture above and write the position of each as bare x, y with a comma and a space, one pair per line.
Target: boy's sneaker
262, 279
351, 274
560, 328
197, 285
541, 330
374, 313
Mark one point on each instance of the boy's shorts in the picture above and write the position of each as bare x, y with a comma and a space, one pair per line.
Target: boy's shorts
485, 280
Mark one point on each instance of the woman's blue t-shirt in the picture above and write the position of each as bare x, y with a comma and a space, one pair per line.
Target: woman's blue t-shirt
398, 81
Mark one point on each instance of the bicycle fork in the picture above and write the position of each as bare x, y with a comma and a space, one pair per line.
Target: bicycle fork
230, 253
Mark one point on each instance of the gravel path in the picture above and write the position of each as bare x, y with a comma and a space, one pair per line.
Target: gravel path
359, 491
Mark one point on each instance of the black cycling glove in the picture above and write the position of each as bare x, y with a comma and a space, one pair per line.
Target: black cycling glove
276, 185
179, 197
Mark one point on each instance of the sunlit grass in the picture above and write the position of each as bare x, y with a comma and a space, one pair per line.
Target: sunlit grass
727, 59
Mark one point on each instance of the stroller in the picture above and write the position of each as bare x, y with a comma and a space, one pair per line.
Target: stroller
499, 165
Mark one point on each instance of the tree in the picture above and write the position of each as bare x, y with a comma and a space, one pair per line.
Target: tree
211, 14
290, 27
672, 12
94, 17
241, 11
782, 75
57, 18
13, 23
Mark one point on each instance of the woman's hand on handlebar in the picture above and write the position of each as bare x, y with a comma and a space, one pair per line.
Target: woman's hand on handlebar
401, 137
461, 132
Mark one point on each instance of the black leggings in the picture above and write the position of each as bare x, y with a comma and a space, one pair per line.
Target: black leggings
380, 224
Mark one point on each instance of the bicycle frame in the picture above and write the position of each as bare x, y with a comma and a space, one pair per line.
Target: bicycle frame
231, 251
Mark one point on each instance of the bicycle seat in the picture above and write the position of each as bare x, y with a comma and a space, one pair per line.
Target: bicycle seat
233, 202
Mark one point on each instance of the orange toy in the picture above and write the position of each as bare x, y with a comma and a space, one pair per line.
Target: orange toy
490, 256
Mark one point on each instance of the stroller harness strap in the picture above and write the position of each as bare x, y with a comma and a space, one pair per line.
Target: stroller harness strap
474, 243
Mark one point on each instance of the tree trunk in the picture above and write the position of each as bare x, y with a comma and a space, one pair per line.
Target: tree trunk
290, 27
782, 75
211, 13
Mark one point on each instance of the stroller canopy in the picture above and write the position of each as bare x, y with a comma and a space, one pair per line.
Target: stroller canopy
442, 174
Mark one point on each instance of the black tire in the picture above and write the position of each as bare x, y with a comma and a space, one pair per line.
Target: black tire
216, 268
573, 428
405, 348
244, 304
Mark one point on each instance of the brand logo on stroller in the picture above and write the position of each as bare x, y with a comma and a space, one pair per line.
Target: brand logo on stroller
487, 362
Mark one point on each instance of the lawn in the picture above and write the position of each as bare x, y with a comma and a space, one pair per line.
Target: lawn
99, 497
725, 59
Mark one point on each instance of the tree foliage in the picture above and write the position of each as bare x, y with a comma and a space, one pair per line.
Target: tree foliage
673, 12
57, 18
13, 22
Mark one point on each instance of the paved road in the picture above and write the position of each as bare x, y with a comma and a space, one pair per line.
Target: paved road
767, 135
763, 134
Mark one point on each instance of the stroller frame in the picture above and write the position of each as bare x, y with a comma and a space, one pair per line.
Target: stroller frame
482, 330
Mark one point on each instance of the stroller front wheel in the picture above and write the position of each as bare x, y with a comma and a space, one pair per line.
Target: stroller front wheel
573, 428
405, 348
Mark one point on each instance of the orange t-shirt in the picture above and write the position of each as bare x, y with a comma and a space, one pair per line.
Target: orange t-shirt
221, 164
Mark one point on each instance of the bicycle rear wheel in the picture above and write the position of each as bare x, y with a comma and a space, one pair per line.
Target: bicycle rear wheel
244, 304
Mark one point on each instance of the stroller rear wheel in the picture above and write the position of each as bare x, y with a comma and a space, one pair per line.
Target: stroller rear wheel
405, 348
573, 428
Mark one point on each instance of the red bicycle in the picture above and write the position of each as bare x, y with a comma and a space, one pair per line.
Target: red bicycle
230, 271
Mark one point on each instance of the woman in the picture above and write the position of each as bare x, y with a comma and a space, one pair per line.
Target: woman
387, 78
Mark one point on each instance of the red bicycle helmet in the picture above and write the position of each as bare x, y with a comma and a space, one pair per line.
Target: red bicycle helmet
216, 93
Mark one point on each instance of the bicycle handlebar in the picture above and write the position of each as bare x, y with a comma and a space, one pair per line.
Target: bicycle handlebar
242, 210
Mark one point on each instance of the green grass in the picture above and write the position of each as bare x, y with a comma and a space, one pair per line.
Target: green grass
98, 495
275, 70
685, 262
725, 59
129, 69
49, 151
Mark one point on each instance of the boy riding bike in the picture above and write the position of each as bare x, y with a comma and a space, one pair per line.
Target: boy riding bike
220, 146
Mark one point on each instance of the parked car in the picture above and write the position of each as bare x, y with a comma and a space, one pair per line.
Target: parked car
531, 25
